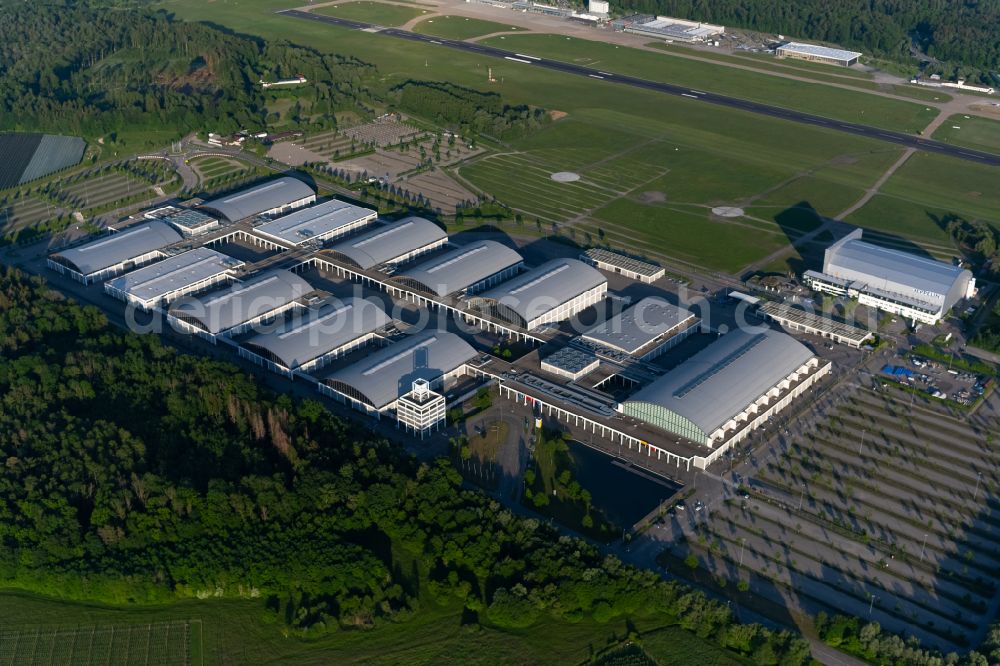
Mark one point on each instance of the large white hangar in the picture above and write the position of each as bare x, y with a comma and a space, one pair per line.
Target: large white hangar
271, 198
552, 292
645, 330
324, 221
392, 243
115, 254
236, 309
166, 281
721, 394
376, 383
324, 332
469, 268
904, 284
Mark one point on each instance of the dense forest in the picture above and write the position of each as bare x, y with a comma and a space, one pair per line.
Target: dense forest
79, 68
467, 110
135, 473
960, 33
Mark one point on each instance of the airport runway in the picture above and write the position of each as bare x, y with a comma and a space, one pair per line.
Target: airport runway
526, 60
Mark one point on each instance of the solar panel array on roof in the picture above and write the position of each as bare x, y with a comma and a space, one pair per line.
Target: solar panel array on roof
637, 326
272, 195
174, 273
120, 247
324, 220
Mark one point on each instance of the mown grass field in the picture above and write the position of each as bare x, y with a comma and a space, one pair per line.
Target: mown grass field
626, 143
972, 132
373, 12
235, 632
460, 27
812, 98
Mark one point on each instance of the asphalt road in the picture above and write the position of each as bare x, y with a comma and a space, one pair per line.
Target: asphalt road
876, 133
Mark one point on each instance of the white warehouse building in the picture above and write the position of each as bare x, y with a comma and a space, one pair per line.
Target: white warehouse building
552, 292
166, 281
271, 198
322, 222
113, 255
903, 284
721, 394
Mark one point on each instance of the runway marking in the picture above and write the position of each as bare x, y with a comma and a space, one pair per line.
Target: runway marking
527, 56
604, 73
698, 92
595, 76
691, 96
434, 41
526, 62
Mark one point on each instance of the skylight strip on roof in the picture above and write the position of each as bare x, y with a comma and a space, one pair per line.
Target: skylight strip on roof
538, 280
454, 260
397, 357
391, 230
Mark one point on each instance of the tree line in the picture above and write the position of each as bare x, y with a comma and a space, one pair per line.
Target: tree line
81, 68
469, 111
963, 34
136, 473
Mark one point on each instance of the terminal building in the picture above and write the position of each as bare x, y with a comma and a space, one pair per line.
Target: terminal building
236, 309
817, 53
310, 340
391, 243
271, 198
322, 222
467, 269
721, 394
552, 292
643, 331
923, 290
158, 284
113, 255
374, 384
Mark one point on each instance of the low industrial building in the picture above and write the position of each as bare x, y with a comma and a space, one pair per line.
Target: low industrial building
192, 222
599, 7
115, 254
271, 198
391, 243
161, 283
645, 330
374, 384
312, 338
235, 310
803, 321
667, 28
469, 269
613, 262
903, 284
817, 53
421, 410
322, 222
570, 363
552, 292
721, 394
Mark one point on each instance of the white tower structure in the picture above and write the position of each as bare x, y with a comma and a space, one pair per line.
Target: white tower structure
421, 410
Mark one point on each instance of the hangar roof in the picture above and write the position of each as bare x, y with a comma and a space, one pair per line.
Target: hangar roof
632, 329
320, 221
322, 329
462, 267
890, 270
389, 372
260, 198
119, 247
532, 294
723, 379
390, 241
224, 309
